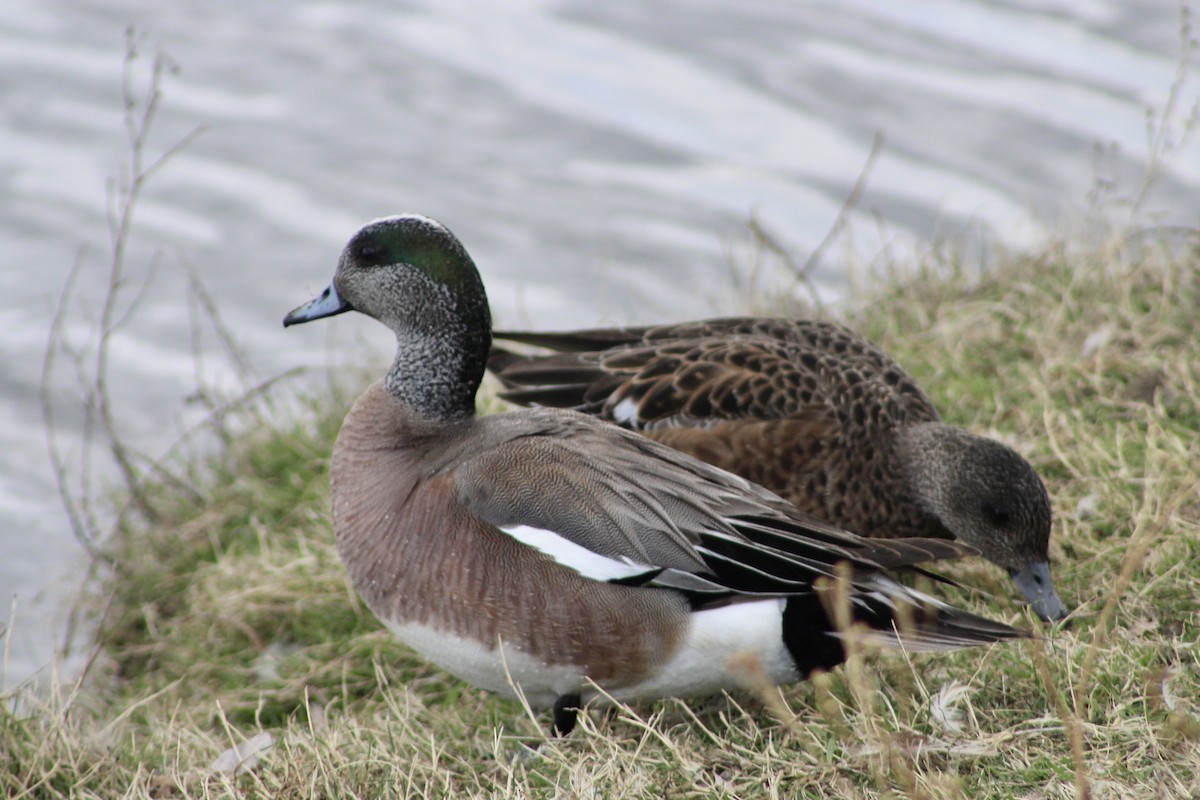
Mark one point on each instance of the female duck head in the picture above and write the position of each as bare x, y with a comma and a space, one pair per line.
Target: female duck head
990, 497
413, 275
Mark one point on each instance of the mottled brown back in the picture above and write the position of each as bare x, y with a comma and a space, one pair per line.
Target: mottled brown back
808, 409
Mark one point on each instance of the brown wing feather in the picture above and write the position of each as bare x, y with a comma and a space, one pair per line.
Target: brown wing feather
763, 452
718, 369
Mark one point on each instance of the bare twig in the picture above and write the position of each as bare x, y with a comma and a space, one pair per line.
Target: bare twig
83, 524
87, 363
90, 361
802, 273
123, 203
1161, 147
205, 315
229, 343
848, 205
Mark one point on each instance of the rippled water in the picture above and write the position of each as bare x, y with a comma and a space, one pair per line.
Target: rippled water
598, 159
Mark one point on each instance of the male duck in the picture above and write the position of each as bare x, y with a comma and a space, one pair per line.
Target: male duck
542, 551
812, 411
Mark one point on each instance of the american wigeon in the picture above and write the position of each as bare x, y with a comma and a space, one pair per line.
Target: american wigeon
546, 550
810, 410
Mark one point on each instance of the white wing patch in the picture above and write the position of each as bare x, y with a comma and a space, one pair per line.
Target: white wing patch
625, 412
587, 563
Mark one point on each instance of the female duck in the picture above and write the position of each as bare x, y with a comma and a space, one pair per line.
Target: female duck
809, 410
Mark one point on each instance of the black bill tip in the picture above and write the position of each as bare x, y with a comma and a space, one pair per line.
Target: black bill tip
326, 304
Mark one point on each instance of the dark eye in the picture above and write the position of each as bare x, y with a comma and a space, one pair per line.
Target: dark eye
367, 252
997, 515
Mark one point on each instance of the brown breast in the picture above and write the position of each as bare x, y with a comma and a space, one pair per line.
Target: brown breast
416, 555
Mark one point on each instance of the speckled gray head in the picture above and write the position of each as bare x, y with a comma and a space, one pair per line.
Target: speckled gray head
413, 275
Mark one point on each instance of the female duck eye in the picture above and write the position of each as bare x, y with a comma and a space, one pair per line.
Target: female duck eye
997, 514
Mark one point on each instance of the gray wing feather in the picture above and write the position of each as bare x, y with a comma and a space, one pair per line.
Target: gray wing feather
624, 496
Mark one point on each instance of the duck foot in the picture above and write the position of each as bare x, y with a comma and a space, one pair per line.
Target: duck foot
566, 711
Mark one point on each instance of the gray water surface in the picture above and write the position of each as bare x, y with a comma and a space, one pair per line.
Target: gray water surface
599, 160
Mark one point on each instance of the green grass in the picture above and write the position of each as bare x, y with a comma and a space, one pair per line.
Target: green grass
231, 615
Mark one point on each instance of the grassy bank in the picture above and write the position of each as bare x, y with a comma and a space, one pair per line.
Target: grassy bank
229, 616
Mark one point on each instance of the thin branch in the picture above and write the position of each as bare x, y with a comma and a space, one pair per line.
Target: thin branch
143, 290
128, 193
173, 151
89, 361
802, 273
238, 404
82, 526
1160, 149
848, 205
229, 344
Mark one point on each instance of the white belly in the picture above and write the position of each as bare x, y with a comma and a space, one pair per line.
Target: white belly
497, 669
719, 649
722, 646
